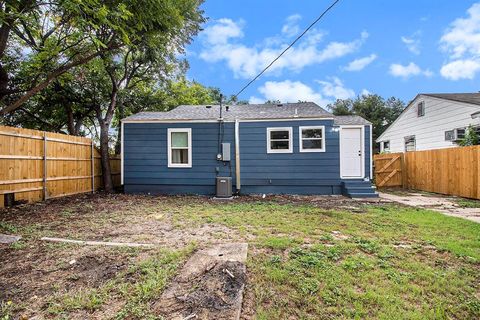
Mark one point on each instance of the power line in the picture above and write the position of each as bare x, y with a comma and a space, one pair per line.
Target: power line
286, 49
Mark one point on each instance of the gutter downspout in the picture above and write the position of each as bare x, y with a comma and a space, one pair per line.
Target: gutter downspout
237, 155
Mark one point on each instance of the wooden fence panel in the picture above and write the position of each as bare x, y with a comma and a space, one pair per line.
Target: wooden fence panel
452, 171
388, 170
37, 164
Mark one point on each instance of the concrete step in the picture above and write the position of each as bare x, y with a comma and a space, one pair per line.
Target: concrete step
362, 189
362, 195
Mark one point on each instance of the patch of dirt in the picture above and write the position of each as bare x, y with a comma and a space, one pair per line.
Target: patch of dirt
333, 202
29, 277
94, 270
337, 235
216, 289
209, 286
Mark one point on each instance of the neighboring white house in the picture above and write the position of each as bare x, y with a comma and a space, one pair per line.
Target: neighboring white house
432, 121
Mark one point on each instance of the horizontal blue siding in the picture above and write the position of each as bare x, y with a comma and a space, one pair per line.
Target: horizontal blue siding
146, 165
289, 173
146, 170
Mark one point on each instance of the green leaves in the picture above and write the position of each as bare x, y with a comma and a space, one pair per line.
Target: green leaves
471, 137
380, 112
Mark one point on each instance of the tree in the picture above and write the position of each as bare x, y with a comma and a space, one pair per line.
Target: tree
471, 137
341, 107
112, 47
66, 106
62, 35
381, 113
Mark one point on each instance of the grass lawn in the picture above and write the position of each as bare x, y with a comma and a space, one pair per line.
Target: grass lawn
308, 258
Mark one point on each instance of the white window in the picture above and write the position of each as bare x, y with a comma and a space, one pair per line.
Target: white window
312, 139
450, 135
279, 140
460, 133
421, 109
179, 148
386, 146
410, 143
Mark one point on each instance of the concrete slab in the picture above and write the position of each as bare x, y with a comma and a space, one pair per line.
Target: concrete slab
209, 286
440, 204
7, 239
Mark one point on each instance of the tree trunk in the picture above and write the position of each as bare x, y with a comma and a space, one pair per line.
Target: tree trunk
105, 158
70, 120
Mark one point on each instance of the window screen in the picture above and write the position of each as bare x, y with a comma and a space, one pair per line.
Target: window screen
279, 140
312, 139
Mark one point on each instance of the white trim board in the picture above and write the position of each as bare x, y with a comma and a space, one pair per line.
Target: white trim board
169, 147
300, 139
371, 153
362, 143
290, 140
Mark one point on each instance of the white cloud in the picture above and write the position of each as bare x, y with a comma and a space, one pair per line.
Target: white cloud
222, 31
365, 92
336, 89
256, 100
460, 69
360, 63
293, 91
409, 70
413, 42
290, 91
291, 28
462, 43
221, 44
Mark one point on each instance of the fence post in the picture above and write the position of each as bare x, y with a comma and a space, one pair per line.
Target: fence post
45, 166
403, 166
92, 167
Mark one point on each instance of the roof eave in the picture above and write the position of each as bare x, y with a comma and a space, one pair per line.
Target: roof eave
126, 120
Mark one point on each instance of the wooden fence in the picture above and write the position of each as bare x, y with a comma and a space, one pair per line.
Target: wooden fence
38, 165
452, 171
388, 170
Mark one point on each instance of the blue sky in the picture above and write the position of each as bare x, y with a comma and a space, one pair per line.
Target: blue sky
393, 48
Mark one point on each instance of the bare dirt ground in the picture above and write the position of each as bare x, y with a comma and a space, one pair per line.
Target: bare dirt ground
33, 271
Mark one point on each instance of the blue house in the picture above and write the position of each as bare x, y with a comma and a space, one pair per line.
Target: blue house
294, 148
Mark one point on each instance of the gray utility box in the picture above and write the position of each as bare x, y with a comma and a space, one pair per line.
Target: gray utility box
224, 187
225, 151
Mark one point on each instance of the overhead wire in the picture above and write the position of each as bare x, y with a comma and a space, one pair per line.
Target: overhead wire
287, 48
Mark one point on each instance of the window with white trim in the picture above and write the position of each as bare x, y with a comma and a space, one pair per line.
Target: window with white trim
179, 148
279, 140
312, 139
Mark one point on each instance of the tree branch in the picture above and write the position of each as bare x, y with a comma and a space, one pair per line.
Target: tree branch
52, 76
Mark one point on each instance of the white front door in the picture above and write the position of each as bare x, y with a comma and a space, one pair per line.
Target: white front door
351, 152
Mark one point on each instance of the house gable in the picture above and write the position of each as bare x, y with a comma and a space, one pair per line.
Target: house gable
440, 115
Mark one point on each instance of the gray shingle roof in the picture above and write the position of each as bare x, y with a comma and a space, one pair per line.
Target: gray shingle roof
346, 120
249, 111
246, 112
473, 98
